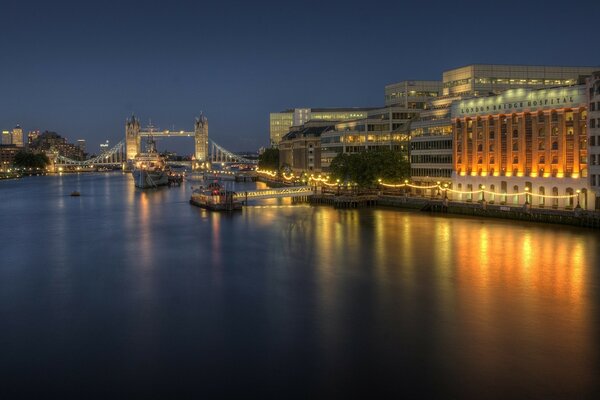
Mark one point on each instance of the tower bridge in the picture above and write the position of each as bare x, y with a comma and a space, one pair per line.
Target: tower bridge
206, 151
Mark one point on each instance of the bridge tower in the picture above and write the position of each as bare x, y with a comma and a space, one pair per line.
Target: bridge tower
201, 138
132, 137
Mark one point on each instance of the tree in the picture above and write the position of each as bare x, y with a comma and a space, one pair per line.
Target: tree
26, 160
269, 159
366, 167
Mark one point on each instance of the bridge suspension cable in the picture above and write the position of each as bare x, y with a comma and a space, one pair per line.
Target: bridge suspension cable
220, 154
114, 156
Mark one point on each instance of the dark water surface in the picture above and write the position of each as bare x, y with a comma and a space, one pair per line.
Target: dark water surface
122, 293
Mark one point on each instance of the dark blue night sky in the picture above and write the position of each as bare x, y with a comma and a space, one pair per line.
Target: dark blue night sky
80, 68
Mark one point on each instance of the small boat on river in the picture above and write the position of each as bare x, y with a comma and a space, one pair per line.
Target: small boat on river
215, 198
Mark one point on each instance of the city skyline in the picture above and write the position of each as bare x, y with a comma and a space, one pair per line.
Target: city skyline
82, 73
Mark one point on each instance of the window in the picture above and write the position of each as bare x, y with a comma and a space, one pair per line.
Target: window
542, 160
515, 159
592, 123
492, 135
515, 146
541, 145
541, 132
555, 131
492, 160
592, 106
515, 133
479, 147
491, 147
592, 140
593, 180
555, 145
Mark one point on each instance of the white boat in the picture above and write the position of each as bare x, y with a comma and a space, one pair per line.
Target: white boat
149, 168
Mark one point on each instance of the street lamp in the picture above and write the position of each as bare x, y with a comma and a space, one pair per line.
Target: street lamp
578, 207
406, 187
526, 195
438, 189
445, 191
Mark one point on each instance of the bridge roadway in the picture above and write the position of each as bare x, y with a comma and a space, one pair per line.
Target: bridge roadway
294, 191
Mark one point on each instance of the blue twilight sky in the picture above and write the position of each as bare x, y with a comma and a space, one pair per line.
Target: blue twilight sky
80, 68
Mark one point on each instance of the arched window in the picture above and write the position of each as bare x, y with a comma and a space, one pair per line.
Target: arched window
515, 146
541, 145
493, 194
515, 159
542, 160
492, 147
492, 160
584, 199
479, 147
555, 145
459, 160
480, 160
542, 192
492, 135
515, 195
555, 131
515, 133
554, 159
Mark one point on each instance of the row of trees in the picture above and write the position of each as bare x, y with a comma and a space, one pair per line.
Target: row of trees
26, 159
367, 167
364, 168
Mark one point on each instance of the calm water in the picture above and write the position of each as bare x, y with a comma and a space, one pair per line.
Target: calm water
122, 292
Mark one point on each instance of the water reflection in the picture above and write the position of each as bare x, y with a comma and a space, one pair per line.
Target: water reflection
461, 306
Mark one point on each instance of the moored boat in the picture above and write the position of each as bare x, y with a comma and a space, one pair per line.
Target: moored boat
149, 168
215, 198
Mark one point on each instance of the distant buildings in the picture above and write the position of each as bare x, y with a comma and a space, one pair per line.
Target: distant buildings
81, 145
7, 156
104, 146
6, 137
32, 136
17, 136
52, 142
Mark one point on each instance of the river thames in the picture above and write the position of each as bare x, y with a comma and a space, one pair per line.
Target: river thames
123, 292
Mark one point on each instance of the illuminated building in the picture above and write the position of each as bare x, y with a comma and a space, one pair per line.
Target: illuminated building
593, 92
300, 148
523, 140
17, 136
7, 156
382, 128
104, 146
281, 122
412, 94
81, 144
431, 135
6, 137
31, 136
51, 142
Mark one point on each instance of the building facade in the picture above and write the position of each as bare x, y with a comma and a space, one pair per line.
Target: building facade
17, 136
7, 156
280, 123
386, 127
523, 145
486, 79
412, 94
593, 92
6, 137
300, 148
430, 134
